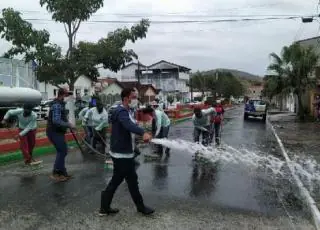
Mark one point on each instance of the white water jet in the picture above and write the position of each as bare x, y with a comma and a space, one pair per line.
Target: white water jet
306, 169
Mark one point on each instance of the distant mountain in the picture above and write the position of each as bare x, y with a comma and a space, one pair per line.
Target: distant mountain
240, 74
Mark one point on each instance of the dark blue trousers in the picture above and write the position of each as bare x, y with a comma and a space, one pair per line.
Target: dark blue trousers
58, 140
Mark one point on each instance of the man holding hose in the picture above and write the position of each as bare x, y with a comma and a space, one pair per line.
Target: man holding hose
122, 153
201, 122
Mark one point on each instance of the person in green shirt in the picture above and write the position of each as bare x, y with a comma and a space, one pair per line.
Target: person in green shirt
160, 125
27, 124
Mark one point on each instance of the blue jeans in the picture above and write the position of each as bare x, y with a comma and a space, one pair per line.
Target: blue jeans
89, 134
58, 140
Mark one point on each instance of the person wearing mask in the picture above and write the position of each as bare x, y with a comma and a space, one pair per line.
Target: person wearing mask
121, 151
87, 126
27, 123
57, 127
217, 122
201, 122
98, 118
162, 126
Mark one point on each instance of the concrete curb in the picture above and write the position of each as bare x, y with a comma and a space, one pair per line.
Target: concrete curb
304, 192
40, 151
44, 150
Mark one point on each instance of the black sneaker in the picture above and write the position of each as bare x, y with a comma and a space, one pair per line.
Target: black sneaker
108, 212
146, 210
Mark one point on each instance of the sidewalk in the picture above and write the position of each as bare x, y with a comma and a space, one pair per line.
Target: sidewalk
301, 139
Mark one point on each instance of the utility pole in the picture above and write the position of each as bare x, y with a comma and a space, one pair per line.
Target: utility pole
138, 72
191, 88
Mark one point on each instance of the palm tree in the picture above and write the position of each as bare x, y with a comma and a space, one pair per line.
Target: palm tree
293, 72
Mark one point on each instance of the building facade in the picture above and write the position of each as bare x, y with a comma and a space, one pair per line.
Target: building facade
17, 73
171, 78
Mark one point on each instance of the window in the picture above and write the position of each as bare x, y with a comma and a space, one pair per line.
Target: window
78, 91
55, 92
254, 91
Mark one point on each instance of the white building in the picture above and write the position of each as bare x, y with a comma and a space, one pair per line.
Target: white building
169, 77
83, 83
17, 73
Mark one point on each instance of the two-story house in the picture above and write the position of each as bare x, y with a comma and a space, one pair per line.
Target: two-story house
171, 78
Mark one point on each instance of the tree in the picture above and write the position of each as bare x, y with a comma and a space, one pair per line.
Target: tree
293, 72
25, 40
83, 58
228, 85
71, 13
198, 82
170, 99
221, 83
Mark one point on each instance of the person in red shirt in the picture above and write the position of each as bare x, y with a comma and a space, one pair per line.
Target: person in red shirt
216, 123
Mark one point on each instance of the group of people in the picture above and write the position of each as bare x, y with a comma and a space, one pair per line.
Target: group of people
208, 124
123, 148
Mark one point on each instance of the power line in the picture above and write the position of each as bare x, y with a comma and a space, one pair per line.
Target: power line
142, 15
179, 21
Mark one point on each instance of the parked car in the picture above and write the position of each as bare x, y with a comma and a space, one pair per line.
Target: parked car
255, 108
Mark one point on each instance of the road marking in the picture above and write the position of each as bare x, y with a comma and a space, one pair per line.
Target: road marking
304, 192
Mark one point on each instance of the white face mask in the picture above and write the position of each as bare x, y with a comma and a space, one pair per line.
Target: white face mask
134, 103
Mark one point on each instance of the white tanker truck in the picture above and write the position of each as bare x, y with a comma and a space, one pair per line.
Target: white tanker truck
11, 98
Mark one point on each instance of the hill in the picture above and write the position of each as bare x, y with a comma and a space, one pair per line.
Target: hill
240, 74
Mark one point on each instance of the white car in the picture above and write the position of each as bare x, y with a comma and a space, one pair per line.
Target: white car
255, 108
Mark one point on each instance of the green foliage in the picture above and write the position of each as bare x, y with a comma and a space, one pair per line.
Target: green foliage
110, 50
292, 72
66, 11
82, 58
170, 99
178, 97
23, 37
222, 83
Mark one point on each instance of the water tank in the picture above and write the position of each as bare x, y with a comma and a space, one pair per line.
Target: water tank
17, 96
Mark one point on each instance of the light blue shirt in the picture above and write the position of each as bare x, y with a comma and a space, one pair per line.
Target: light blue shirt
205, 119
162, 120
26, 123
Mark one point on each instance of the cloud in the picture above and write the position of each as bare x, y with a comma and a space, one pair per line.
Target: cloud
203, 46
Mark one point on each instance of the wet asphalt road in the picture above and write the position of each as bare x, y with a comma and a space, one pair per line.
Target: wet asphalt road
225, 196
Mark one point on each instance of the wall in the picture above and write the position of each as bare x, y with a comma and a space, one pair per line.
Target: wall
184, 76
128, 74
82, 83
111, 94
112, 89
17, 73
150, 92
254, 92
47, 90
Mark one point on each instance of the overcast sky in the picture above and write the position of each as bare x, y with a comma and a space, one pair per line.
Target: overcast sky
199, 46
